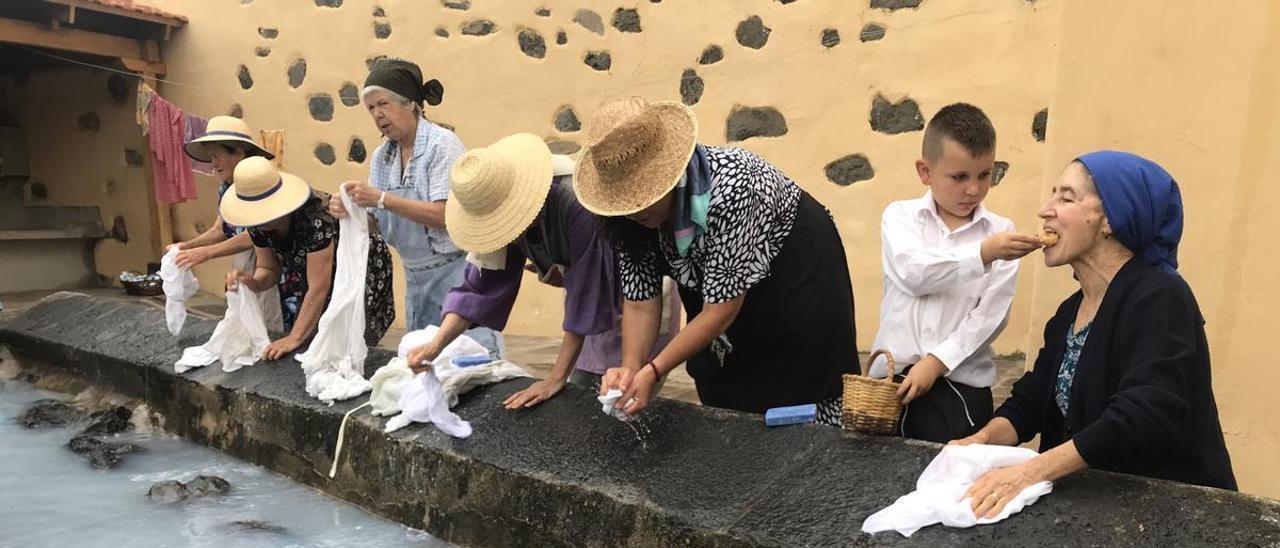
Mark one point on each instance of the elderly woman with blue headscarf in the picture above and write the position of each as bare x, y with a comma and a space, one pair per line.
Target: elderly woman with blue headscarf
1122, 382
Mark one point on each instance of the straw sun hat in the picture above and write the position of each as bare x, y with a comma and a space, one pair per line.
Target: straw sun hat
497, 191
225, 130
260, 193
636, 154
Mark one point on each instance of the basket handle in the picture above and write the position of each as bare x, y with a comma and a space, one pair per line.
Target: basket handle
888, 357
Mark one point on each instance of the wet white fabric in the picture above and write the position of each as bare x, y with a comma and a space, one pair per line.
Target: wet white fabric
460, 380
179, 285
238, 340
423, 400
388, 381
938, 491
269, 300
607, 402
334, 363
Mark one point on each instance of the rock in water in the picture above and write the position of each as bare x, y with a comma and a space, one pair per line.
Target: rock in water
49, 413
208, 485
110, 422
168, 491
101, 454
255, 526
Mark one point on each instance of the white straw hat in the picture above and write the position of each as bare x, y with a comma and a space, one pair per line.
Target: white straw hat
497, 191
636, 155
260, 193
223, 129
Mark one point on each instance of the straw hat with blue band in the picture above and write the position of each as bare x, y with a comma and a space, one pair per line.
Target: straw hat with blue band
227, 130
261, 193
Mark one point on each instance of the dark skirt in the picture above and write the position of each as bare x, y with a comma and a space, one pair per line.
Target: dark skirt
795, 336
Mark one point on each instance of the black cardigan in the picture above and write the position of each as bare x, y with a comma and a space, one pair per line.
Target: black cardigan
1142, 398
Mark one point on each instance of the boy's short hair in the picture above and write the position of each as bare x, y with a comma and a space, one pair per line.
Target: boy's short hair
963, 123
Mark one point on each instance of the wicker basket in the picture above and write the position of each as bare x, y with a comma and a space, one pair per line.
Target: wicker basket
871, 406
145, 288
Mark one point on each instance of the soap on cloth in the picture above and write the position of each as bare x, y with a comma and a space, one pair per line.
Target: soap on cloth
795, 414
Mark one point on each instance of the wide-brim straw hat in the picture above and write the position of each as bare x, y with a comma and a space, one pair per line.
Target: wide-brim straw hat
636, 154
261, 193
226, 130
496, 192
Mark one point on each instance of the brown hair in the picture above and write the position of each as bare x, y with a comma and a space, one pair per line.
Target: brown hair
963, 123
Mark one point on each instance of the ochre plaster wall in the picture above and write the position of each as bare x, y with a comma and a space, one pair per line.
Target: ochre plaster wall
1199, 92
993, 54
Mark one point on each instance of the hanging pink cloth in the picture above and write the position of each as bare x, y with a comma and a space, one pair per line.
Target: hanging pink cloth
172, 169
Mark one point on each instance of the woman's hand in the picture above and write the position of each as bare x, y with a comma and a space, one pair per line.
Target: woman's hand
535, 394
188, 258
336, 208
362, 194
636, 385
280, 348
420, 357
981, 437
995, 489
237, 277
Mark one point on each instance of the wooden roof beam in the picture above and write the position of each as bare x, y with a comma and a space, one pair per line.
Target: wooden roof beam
81, 41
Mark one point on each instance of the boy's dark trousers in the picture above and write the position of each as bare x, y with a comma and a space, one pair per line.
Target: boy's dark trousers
948, 411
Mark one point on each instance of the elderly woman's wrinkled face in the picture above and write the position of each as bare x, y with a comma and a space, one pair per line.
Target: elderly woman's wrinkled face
1074, 212
655, 215
396, 120
224, 158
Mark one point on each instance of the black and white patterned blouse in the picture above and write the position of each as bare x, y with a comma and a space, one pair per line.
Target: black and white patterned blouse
751, 212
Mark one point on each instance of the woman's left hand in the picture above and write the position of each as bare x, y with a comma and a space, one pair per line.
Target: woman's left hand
640, 388
280, 348
363, 195
995, 489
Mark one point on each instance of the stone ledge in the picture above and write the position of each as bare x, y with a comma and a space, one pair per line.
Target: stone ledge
564, 474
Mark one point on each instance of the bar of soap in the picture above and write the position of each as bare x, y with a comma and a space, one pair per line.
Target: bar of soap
795, 414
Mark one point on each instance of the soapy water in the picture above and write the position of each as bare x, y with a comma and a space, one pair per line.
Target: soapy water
49, 496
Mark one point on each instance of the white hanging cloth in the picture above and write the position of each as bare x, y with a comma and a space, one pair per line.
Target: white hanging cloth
938, 491
334, 363
179, 285
241, 336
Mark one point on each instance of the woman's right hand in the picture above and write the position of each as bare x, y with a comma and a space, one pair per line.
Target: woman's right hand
980, 437
336, 208
616, 377
420, 358
235, 278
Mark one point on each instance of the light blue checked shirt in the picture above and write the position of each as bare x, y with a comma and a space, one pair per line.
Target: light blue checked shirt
435, 149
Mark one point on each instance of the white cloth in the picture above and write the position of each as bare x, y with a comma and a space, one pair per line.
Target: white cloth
268, 300
238, 340
334, 363
938, 491
607, 402
388, 381
179, 285
938, 296
424, 401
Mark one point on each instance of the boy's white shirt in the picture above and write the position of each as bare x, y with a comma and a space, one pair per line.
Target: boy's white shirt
938, 297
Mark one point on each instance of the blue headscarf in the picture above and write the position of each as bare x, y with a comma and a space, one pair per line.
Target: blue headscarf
1142, 203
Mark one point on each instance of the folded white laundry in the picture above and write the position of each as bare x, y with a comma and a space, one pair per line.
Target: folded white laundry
423, 400
179, 285
607, 402
238, 340
937, 498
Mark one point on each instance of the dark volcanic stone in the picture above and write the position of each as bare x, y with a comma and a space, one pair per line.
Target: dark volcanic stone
691, 87
830, 38
563, 147
101, 454
894, 4
268, 33
542, 12
894, 118
599, 60
208, 485
1040, 124
561, 38
998, 173
133, 158
566, 120
626, 20
246, 80
324, 153
167, 491
89, 122
532, 44
457, 4
379, 12
589, 20
871, 32
370, 61
442, 32
49, 413
118, 89
381, 30
349, 94
262, 51
747, 122
297, 73
255, 526
752, 33
711, 54
849, 169
321, 106
355, 151
236, 110
329, 3
479, 27
110, 422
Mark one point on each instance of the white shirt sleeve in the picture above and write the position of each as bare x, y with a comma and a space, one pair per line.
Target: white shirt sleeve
919, 270
981, 325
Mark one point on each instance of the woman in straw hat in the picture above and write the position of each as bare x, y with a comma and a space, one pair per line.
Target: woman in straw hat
511, 203
294, 239
759, 264
408, 187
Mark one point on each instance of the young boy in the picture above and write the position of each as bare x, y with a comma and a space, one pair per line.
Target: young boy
949, 270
